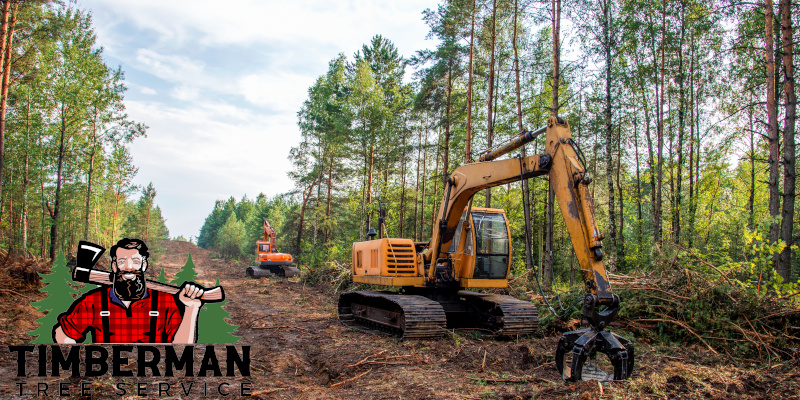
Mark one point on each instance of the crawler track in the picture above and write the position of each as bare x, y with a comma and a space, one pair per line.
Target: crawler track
401, 316
503, 315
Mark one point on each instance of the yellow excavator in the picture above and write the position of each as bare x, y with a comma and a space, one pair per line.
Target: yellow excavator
470, 248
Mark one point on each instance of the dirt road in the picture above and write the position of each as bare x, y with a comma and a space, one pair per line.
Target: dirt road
299, 350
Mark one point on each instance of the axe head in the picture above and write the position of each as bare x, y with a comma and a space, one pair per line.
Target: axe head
88, 254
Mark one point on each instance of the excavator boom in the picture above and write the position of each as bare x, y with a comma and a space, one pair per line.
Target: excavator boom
470, 248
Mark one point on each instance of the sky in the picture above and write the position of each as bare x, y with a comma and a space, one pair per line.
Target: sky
219, 85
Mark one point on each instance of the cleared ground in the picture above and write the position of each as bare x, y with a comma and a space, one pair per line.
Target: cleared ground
300, 350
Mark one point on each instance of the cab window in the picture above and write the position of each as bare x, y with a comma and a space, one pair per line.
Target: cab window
491, 245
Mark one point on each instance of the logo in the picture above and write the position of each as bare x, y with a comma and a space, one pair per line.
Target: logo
123, 308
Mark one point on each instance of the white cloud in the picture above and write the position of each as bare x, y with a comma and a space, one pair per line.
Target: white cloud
208, 152
240, 72
258, 22
277, 91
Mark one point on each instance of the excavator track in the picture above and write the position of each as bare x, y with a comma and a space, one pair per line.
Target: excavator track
504, 315
401, 316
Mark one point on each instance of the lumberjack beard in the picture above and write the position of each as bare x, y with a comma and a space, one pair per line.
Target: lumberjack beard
129, 288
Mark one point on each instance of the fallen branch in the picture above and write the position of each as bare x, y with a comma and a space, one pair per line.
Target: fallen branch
351, 379
267, 391
17, 293
387, 363
550, 363
513, 379
706, 263
788, 296
659, 290
280, 327
681, 324
367, 358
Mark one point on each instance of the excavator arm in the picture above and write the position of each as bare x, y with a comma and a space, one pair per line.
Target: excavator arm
270, 236
563, 163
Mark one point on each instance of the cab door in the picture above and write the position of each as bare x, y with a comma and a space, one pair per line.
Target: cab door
492, 244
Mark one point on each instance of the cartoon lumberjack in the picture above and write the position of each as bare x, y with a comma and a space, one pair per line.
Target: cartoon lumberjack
128, 311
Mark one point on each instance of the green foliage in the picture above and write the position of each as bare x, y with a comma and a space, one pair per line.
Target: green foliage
67, 135
232, 238
213, 327
186, 274
162, 277
146, 221
60, 296
759, 264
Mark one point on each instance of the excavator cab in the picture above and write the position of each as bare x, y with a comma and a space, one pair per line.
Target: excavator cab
482, 247
493, 249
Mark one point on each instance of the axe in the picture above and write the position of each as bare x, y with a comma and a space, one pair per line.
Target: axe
89, 254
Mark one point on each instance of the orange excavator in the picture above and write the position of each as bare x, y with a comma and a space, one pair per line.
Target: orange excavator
470, 248
268, 260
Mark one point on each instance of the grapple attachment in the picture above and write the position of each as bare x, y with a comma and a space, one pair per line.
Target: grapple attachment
578, 355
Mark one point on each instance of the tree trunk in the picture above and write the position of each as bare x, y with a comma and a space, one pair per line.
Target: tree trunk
417, 219
660, 133
638, 185
612, 223
436, 183
556, 4
6, 38
424, 175
548, 250
329, 198
548, 256
90, 176
446, 161
752, 197
490, 94
468, 150
369, 182
621, 247
772, 127
403, 188
54, 214
681, 125
24, 214
691, 142
785, 265
526, 202
306, 196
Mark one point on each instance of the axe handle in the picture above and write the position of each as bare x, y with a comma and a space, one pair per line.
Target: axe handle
99, 277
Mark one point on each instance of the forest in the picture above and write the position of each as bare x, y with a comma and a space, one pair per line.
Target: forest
65, 138
685, 111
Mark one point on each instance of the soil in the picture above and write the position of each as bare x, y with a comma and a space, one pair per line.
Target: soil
299, 350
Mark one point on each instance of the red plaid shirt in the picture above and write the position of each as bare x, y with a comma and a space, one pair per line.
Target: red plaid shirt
125, 325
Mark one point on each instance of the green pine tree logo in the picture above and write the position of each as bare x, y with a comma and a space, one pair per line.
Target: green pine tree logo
212, 327
162, 277
187, 273
59, 298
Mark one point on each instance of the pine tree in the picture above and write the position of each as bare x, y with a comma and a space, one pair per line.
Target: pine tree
162, 277
59, 298
187, 273
212, 327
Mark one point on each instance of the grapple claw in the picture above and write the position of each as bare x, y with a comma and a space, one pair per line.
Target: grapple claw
577, 356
